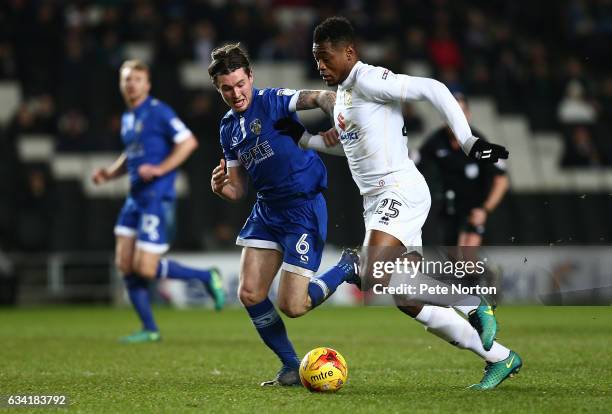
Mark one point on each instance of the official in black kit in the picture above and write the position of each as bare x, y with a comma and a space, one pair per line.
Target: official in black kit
472, 189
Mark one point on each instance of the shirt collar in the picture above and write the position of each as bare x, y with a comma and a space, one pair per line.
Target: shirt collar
142, 105
351, 77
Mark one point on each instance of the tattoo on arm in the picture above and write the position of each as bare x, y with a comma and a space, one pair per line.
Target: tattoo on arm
306, 100
325, 100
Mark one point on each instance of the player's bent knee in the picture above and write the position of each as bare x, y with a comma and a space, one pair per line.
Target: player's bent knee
293, 305
144, 269
291, 309
124, 266
250, 297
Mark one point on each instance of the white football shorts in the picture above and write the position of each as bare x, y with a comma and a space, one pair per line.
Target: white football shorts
399, 211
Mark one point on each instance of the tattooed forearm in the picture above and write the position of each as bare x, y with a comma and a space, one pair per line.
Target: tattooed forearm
306, 100
317, 99
326, 101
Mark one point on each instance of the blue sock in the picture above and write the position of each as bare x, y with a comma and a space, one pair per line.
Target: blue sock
174, 270
322, 287
272, 331
138, 291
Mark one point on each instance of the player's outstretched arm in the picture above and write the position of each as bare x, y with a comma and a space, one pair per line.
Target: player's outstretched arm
441, 98
115, 170
181, 151
406, 88
230, 184
311, 99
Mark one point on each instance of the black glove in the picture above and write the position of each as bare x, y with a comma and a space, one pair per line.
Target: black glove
290, 127
487, 152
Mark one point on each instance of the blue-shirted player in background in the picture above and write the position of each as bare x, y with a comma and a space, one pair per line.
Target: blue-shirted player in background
288, 224
156, 143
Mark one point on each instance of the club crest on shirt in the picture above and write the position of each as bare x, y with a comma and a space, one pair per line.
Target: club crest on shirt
348, 97
255, 126
138, 126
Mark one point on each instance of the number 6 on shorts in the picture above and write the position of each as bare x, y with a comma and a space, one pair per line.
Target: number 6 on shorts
302, 246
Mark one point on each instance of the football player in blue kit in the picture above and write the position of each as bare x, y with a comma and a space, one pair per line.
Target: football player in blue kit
287, 227
156, 143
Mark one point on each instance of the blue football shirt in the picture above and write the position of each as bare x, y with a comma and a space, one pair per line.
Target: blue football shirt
279, 169
149, 133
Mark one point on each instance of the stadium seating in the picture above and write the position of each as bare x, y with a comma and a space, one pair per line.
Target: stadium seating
533, 169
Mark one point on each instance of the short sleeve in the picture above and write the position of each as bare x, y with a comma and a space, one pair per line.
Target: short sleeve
173, 126
280, 102
231, 160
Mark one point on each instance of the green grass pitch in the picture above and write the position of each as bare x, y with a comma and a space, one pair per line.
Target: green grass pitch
213, 363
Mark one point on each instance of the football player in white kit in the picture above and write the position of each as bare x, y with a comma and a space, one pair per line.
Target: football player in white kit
396, 198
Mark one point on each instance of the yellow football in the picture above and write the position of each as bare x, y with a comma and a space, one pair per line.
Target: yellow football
323, 370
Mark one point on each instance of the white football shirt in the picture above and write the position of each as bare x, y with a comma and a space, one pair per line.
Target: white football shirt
368, 116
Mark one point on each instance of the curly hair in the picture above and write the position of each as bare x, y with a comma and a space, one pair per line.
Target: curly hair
334, 30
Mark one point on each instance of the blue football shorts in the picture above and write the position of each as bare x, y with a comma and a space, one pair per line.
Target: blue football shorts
298, 232
150, 221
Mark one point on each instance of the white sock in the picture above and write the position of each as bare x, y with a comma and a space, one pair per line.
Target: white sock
451, 327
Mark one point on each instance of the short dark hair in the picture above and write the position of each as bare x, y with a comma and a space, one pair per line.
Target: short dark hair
228, 58
334, 30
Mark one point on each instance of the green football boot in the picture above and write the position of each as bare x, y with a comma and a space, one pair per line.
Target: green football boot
497, 372
215, 288
141, 337
483, 320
